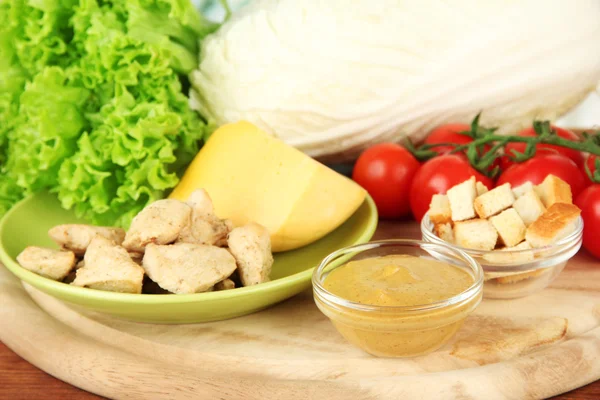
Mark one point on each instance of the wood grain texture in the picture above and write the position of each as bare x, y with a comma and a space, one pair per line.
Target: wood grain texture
21, 380
507, 349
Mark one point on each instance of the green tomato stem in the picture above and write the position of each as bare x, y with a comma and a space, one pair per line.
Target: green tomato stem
483, 160
585, 146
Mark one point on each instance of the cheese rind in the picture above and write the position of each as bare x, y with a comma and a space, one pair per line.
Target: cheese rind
254, 177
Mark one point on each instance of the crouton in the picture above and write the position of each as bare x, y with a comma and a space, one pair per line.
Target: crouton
444, 232
522, 189
511, 255
478, 234
554, 190
529, 206
439, 209
510, 227
461, 198
494, 201
514, 278
52, 264
556, 223
481, 188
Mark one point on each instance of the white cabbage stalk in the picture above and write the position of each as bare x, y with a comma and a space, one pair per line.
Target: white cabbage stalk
334, 76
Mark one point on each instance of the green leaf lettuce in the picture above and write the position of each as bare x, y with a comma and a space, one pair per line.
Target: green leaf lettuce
92, 103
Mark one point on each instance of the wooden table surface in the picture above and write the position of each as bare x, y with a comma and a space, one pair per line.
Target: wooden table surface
21, 380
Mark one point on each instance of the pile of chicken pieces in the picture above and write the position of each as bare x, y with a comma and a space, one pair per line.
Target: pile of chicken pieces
183, 247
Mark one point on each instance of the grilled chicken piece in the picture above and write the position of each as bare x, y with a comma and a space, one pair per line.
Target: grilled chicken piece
186, 267
136, 257
225, 284
108, 266
77, 237
200, 201
53, 264
251, 247
159, 223
204, 226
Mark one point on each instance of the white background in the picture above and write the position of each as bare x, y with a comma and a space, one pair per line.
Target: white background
585, 116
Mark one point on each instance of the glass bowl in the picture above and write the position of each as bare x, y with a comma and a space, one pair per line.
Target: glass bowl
398, 331
514, 274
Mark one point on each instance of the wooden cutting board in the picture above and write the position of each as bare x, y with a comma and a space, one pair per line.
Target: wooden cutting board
534, 347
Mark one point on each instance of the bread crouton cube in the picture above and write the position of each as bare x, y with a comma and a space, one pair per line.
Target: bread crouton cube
478, 234
554, 190
514, 278
510, 227
529, 206
522, 189
444, 232
557, 222
494, 201
461, 199
439, 209
511, 255
480, 188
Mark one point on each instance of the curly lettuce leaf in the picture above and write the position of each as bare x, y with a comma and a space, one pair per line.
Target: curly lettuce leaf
51, 122
92, 104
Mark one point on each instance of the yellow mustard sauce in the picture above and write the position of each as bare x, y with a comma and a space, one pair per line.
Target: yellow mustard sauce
398, 280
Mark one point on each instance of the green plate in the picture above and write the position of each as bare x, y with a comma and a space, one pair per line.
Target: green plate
27, 224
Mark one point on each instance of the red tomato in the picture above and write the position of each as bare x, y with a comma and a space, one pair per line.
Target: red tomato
448, 134
386, 171
437, 176
537, 168
574, 155
591, 164
505, 162
589, 202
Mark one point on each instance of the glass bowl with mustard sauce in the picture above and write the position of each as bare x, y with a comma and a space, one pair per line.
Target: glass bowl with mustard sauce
394, 298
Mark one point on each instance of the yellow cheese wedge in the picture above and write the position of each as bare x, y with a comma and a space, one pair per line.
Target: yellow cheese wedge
252, 176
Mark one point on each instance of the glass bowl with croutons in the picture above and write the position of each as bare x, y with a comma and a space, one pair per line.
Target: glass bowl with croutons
522, 236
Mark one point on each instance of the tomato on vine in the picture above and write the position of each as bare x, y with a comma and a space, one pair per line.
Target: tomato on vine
386, 172
536, 169
589, 203
449, 135
438, 175
575, 155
